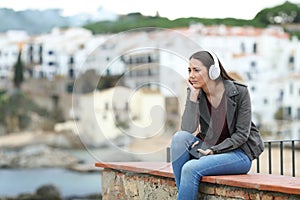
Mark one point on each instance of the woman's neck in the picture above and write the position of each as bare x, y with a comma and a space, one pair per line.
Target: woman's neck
214, 89
214, 92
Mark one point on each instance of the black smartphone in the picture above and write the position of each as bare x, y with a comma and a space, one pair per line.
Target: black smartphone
194, 151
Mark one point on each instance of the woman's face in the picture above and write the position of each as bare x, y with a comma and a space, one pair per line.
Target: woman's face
198, 74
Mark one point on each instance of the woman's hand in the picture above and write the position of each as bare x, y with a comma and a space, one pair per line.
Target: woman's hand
206, 152
203, 152
194, 92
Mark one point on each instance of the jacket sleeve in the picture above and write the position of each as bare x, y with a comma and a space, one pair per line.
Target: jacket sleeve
242, 124
190, 117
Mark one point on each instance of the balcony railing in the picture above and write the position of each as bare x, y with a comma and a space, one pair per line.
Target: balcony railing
289, 146
287, 156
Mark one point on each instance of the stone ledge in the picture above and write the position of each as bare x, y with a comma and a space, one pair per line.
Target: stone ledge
163, 169
265, 182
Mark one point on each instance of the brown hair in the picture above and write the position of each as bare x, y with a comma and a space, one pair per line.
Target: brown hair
206, 58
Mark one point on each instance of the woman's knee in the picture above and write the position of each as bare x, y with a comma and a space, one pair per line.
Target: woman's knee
181, 136
189, 170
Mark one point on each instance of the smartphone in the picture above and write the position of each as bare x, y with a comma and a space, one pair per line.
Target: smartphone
194, 151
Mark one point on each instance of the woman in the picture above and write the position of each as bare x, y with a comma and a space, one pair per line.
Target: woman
220, 110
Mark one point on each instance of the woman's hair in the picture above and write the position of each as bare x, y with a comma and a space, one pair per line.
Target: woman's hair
206, 58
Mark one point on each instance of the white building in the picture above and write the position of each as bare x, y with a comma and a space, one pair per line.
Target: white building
61, 52
121, 113
258, 55
266, 58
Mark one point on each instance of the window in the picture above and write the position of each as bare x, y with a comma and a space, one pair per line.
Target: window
51, 63
30, 48
243, 48
71, 73
107, 72
248, 74
291, 59
298, 113
288, 111
291, 88
71, 60
291, 64
149, 59
31, 58
255, 48
281, 94
253, 64
40, 49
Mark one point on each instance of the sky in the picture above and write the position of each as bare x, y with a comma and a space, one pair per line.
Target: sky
172, 9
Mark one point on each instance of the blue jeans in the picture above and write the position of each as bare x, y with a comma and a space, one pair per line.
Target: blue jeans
188, 172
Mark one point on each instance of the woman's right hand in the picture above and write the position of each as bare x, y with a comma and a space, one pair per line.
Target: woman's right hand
194, 92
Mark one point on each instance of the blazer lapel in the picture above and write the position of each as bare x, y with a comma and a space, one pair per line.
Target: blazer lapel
231, 91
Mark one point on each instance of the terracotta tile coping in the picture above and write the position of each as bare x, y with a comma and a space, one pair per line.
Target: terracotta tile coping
154, 168
266, 182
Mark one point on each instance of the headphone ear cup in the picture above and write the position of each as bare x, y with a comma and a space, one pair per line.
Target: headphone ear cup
214, 72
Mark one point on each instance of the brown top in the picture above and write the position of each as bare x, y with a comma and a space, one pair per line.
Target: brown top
219, 122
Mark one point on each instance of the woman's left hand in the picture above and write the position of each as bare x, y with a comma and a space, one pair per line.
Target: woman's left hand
206, 152
194, 92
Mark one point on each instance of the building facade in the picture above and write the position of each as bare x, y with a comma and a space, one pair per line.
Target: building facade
266, 59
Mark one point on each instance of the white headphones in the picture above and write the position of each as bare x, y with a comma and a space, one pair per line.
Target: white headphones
214, 70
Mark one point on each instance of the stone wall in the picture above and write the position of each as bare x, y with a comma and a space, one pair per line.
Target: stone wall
126, 185
123, 185
210, 191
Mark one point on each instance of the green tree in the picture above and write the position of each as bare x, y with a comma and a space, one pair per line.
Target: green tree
18, 75
282, 14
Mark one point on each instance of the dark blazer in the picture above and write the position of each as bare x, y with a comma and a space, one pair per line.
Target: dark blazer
243, 132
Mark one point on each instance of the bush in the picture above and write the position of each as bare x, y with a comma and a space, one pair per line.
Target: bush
49, 192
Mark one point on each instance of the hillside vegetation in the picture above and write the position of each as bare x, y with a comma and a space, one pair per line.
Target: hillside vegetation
278, 15
48, 19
